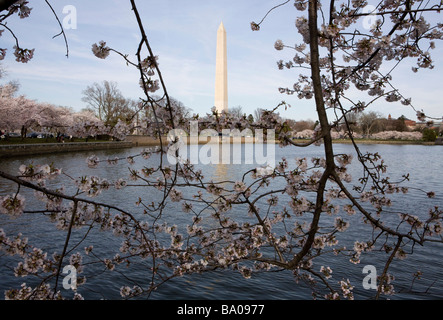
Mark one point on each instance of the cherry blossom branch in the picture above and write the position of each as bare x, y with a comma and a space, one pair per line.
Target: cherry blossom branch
303, 145
256, 26
435, 8
11, 32
68, 237
383, 278
144, 40
74, 199
375, 53
265, 228
368, 216
323, 118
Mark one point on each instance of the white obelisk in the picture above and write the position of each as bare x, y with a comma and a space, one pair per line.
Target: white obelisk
221, 72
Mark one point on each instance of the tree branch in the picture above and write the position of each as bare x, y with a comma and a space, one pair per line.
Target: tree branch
65, 248
5, 4
326, 132
61, 27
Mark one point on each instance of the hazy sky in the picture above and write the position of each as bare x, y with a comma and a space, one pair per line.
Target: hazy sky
183, 35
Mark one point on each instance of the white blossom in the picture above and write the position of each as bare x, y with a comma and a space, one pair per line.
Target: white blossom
12, 205
101, 51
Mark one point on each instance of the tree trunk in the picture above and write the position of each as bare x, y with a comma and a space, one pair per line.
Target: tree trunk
325, 131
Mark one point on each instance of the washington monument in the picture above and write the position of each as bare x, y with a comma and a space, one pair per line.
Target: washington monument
221, 72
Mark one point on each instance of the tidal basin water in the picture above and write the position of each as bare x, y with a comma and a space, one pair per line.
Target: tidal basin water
423, 163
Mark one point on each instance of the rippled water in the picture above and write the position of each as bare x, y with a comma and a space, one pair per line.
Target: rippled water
423, 163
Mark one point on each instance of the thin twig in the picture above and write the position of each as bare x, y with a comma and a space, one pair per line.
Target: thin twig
62, 32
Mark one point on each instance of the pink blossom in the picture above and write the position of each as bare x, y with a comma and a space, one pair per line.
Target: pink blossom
23, 55
175, 195
240, 186
12, 205
92, 161
101, 51
279, 45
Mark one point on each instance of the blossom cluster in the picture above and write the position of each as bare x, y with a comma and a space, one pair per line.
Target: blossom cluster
23, 55
21, 8
12, 205
101, 50
147, 66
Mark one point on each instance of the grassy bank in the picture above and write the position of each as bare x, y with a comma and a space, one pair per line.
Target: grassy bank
373, 141
31, 149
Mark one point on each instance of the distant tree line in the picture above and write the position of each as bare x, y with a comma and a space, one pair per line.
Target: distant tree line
372, 124
27, 116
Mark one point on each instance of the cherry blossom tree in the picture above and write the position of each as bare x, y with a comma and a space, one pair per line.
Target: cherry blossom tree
21, 113
18, 113
398, 135
293, 212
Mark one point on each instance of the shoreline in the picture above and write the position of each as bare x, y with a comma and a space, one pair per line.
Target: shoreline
17, 150
373, 141
149, 141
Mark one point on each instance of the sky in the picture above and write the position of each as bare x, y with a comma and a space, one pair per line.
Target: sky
183, 34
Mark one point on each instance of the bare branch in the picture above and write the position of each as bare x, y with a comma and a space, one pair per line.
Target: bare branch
62, 32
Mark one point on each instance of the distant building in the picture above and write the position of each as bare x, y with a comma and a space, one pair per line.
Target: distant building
410, 123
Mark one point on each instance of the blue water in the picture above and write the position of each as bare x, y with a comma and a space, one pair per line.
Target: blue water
423, 163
